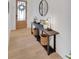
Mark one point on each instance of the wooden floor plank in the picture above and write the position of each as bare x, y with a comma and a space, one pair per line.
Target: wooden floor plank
23, 45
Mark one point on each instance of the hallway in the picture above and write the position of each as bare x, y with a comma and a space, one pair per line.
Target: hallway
23, 45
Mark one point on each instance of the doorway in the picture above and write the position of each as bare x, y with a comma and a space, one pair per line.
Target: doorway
21, 14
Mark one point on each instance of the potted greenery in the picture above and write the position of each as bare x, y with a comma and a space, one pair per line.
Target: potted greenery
69, 56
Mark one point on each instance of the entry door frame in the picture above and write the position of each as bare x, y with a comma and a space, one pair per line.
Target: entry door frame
16, 12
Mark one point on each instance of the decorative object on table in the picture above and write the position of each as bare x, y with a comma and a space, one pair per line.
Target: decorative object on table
49, 29
42, 22
38, 21
45, 24
46, 21
35, 19
50, 24
43, 7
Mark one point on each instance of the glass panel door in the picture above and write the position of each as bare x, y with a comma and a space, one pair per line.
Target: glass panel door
21, 11
21, 20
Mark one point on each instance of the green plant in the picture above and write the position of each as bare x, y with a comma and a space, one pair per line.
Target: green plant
69, 56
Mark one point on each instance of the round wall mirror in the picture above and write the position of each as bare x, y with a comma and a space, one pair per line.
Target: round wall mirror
43, 7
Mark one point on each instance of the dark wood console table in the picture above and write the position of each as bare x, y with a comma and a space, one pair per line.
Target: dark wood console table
49, 33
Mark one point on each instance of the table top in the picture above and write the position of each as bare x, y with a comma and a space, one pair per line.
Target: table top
49, 32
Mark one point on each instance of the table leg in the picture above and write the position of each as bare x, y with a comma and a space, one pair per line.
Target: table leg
38, 35
31, 29
42, 32
54, 43
48, 46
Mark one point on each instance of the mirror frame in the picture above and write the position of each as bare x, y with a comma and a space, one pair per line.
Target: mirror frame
43, 7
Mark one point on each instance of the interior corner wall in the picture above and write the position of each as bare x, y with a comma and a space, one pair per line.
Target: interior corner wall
62, 18
12, 15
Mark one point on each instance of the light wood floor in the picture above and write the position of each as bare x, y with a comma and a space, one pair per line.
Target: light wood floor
23, 45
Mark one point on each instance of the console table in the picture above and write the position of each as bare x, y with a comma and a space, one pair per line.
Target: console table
48, 32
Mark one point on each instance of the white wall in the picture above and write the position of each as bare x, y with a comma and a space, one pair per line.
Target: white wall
33, 10
59, 11
12, 15
62, 24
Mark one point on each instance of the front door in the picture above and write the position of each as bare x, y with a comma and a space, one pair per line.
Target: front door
21, 19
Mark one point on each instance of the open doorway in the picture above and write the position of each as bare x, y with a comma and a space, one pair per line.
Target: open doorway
21, 14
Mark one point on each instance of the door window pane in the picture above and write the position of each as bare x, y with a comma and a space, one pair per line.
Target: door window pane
21, 11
